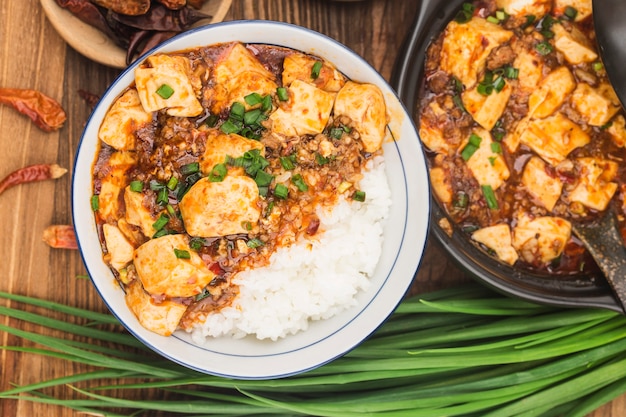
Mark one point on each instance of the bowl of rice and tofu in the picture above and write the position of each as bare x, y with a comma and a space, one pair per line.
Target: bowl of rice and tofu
524, 137
246, 199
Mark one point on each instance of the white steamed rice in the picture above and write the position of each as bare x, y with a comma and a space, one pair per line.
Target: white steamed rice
314, 279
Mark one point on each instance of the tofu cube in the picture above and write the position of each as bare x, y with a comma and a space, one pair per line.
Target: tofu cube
596, 105
487, 167
164, 83
498, 239
306, 113
220, 145
466, 47
595, 189
551, 93
486, 110
365, 105
125, 116
545, 188
554, 137
523, 8
222, 208
299, 66
119, 249
163, 272
573, 44
540, 240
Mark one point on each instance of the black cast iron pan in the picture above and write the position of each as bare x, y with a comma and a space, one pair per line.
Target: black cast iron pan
573, 291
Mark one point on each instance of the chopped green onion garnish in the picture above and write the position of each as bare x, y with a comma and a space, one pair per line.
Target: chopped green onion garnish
190, 168
496, 147
156, 186
298, 181
359, 195
570, 12
321, 160
218, 173
172, 183
263, 179
492, 160
165, 91
204, 294
501, 15
196, 243
136, 186
282, 94
95, 202
461, 201
266, 104
161, 222
252, 117
211, 121
475, 140
246, 225
182, 254
237, 110
270, 207
490, 196
229, 127
160, 233
493, 19
336, 132
281, 191
499, 84
253, 99
163, 197
465, 14
171, 210
530, 19
597, 66
315, 70
254, 243
287, 162
468, 151
544, 48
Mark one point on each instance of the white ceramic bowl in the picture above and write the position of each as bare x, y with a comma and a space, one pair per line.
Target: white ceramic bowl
404, 240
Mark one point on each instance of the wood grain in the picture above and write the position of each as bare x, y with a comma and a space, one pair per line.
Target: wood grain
32, 55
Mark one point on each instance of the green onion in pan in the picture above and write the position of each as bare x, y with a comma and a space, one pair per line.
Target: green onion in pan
182, 254
281, 191
161, 222
190, 168
490, 196
315, 70
172, 183
136, 186
218, 173
254, 243
282, 94
253, 99
95, 202
298, 181
359, 195
287, 162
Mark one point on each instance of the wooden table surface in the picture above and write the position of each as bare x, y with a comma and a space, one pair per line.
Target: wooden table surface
32, 55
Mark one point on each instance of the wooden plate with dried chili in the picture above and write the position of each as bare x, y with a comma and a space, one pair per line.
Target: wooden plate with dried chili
122, 38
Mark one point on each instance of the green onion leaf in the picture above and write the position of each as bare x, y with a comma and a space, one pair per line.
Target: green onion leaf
492, 19
95, 202
281, 191
287, 162
161, 222
196, 243
465, 14
336, 132
266, 104
170, 210
190, 168
165, 91
172, 183
252, 117
282, 94
156, 186
212, 120
315, 70
544, 48
253, 99
163, 197
230, 126
570, 12
321, 160
298, 181
496, 147
359, 195
236, 111
461, 201
218, 173
182, 253
490, 196
136, 186
475, 140
254, 243
263, 179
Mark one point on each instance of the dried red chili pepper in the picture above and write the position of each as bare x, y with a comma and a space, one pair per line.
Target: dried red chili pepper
173, 4
90, 98
44, 111
60, 236
88, 12
128, 7
160, 18
31, 173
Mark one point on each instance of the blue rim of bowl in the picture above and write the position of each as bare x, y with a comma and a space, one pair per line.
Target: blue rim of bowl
389, 309
579, 291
